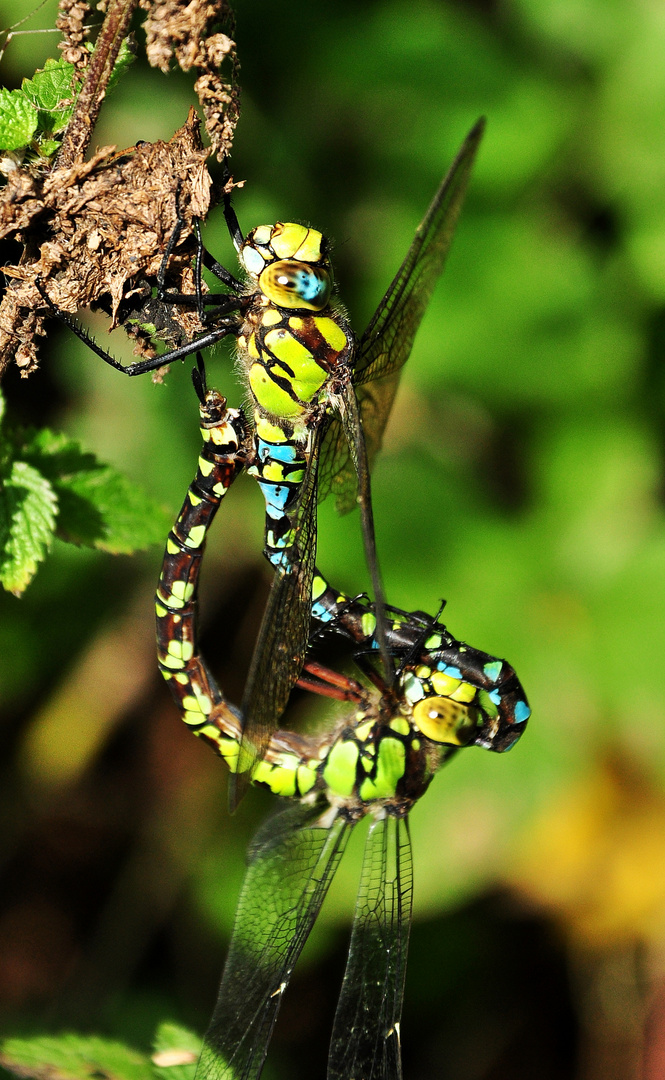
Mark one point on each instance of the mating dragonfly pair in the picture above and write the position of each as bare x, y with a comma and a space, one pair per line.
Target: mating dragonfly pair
321, 401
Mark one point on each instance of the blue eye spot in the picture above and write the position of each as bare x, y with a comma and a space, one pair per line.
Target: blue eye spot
309, 286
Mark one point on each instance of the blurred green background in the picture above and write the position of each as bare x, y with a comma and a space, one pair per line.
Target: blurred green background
522, 478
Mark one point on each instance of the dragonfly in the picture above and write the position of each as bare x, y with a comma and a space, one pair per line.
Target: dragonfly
375, 762
321, 399
468, 676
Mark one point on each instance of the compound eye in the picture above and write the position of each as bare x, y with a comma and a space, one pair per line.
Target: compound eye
292, 284
445, 721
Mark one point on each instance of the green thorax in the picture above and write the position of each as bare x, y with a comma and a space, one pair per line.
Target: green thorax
366, 760
292, 340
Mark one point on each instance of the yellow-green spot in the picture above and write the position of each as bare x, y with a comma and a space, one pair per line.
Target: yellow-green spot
318, 587
171, 547
389, 771
423, 671
194, 500
274, 471
281, 779
195, 536
183, 590
306, 778
267, 431
160, 610
171, 661
205, 466
308, 377
271, 317
340, 768
331, 332
363, 732
227, 748
368, 623
200, 702
464, 693
182, 650
400, 725
435, 641
444, 684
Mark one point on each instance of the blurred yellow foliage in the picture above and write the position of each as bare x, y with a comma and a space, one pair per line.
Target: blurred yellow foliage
595, 858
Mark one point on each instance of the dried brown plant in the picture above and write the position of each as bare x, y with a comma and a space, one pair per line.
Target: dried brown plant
95, 232
70, 22
187, 30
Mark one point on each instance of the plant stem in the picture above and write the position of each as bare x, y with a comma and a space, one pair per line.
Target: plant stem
89, 102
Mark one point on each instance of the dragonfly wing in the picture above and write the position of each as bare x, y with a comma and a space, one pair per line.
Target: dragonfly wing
337, 475
291, 864
282, 643
366, 1033
355, 438
386, 344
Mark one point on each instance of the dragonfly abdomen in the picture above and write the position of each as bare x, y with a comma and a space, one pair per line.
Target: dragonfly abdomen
280, 461
221, 459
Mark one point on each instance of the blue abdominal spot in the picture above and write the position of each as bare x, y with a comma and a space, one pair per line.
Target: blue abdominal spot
522, 712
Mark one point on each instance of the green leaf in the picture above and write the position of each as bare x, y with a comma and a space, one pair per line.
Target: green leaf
18, 119
49, 87
53, 92
48, 147
74, 1057
176, 1052
124, 59
28, 508
99, 507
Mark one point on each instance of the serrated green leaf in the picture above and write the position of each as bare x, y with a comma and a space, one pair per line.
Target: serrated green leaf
18, 119
49, 87
176, 1052
74, 1057
28, 509
99, 507
52, 92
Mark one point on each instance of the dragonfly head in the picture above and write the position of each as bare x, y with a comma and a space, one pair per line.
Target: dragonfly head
444, 721
290, 265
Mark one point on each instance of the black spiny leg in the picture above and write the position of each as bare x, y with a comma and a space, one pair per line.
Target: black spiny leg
228, 326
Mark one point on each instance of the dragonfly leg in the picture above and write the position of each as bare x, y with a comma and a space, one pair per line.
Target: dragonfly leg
330, 683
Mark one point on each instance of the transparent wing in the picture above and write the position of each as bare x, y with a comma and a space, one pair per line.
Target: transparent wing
291, 865
386, 344
355, 440
282, 643
337, 475
366, 1033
